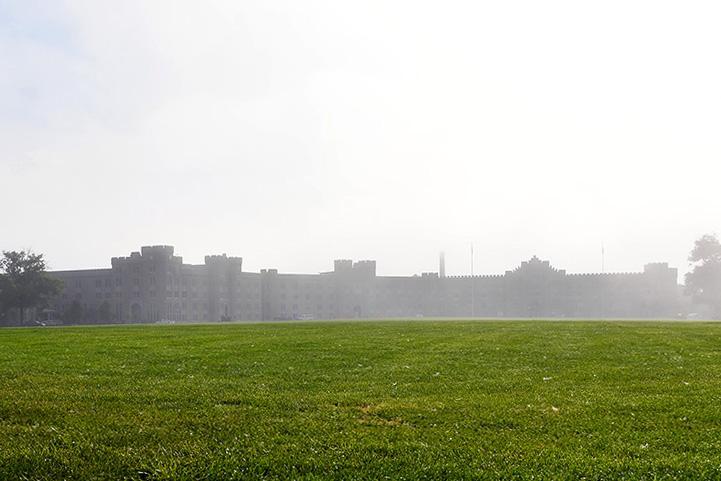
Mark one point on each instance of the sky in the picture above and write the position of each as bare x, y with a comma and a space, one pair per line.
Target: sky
294, 133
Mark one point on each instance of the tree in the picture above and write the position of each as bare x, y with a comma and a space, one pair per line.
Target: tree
24, 282
704, 280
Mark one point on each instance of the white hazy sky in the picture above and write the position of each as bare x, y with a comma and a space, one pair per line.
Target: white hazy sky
294, 132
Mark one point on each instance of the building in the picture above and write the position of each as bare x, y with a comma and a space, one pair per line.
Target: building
154, 285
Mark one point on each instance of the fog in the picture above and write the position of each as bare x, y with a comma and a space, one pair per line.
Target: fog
295, 133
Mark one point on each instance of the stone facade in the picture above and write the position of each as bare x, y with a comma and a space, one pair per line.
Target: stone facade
154, 285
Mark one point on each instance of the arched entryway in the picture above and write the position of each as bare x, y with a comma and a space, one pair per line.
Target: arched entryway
135, 313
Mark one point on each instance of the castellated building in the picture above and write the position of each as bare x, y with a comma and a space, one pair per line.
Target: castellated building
154, 285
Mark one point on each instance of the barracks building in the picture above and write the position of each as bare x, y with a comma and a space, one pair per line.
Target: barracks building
154, 285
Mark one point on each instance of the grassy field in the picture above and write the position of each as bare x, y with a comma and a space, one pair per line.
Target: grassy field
362, 400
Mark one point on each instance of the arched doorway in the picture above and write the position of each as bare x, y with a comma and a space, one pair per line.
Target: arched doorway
135, 313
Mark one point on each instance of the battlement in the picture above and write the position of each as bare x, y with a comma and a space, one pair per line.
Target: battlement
478, 277
656, 266
347, 267
365, 268
162, 251
660, 269
606, 274
223, 260
342, 265
148, 253
536, 266
134, 257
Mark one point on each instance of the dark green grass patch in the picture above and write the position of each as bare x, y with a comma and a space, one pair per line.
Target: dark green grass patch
362, 400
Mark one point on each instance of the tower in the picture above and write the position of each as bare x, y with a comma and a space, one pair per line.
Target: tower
442, 265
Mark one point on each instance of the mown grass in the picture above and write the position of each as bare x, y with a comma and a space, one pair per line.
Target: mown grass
362, 400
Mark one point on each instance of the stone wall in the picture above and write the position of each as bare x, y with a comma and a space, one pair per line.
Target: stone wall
154, 285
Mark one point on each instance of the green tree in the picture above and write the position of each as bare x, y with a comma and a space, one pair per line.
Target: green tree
24, 283
704, 280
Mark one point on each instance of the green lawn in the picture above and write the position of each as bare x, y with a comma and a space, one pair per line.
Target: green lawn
363, 400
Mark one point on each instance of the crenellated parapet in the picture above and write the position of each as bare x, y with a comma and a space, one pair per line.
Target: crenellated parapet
365, 268
477, 277
223, 261
602, 275
360, 269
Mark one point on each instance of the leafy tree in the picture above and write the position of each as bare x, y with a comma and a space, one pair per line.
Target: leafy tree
704, 281
24, 282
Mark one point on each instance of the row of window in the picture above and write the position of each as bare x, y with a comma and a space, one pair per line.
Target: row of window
313, 287
193, 282
319, 307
